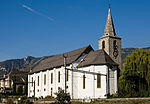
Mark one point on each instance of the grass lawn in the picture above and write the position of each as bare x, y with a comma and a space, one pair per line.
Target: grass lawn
116, 102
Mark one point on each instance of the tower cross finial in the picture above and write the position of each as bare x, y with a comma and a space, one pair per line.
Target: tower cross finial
109, 4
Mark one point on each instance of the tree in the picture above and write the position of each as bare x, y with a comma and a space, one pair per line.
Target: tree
14, 84
128, 84
19, 90
135, 75
26, 86
62, 97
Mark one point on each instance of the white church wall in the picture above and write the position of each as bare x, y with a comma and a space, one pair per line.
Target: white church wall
113, 80
91, 90
58, 84
75, 85
87, 92
30, 87
69, 82
48, 89
44, 88
31, 84
101, 92
51, 85
47, 83
38, 88
75, 88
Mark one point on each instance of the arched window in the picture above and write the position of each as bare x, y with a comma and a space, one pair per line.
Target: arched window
98, 80
51, 78
115, 44
103, 45
44, 79
38, 80
83, 81
58, 76
51, 91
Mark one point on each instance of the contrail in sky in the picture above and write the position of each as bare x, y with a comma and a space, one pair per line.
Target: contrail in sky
36, 12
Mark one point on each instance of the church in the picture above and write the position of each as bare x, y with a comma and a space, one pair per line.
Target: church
84, 73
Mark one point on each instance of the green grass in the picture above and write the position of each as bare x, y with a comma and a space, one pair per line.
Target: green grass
116, 102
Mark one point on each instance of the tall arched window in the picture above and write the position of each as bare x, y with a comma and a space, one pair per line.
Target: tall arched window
103, 45
58, 76
44, 79
98, 80
51, 91
83, 81
115, 44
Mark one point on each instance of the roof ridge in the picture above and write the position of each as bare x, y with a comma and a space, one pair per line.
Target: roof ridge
70, 52
76, 49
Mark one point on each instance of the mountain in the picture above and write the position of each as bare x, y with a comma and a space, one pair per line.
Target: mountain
29, 62
17, 63
127, 51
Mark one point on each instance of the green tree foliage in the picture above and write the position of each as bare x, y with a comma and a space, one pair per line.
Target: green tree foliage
62, 97
26, 87
14, 85
135, 75
19, 90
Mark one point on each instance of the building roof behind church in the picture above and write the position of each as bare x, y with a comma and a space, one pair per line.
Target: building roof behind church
21, 76
99, 57
58, 60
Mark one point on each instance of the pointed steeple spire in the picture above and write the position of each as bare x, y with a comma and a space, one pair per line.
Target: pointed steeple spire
109, 27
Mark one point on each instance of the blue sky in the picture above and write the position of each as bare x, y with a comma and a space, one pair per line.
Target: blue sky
48, 27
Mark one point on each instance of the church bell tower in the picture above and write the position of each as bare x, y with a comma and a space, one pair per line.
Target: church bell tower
110, 42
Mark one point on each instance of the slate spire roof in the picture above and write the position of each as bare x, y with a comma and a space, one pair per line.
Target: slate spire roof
109, 27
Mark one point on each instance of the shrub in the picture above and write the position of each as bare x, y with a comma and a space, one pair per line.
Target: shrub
10, 101
48, 97
62, 97
27, 102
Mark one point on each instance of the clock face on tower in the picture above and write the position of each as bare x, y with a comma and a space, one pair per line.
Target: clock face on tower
115, 53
